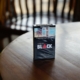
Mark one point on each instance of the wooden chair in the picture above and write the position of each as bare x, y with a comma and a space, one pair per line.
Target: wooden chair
76, 16
21, 18
18, 16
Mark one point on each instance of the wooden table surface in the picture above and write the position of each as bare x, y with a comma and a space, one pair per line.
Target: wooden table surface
16, 60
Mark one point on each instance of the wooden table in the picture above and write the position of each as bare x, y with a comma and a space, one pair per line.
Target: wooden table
17, 58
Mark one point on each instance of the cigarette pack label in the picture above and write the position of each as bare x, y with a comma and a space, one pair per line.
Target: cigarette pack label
44, 43
44, 46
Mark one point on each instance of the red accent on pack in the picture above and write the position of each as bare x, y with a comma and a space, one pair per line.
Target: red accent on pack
44, 46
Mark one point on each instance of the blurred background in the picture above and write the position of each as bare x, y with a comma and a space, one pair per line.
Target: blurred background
18, 16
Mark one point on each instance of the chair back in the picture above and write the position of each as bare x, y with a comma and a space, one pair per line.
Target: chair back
18, 9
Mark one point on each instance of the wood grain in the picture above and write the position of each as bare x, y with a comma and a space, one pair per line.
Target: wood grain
17, 58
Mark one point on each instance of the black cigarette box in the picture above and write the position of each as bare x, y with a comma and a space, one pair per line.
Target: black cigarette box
44, 41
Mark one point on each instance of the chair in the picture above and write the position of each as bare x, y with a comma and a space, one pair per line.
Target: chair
76, 16
21, 18
18, 16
